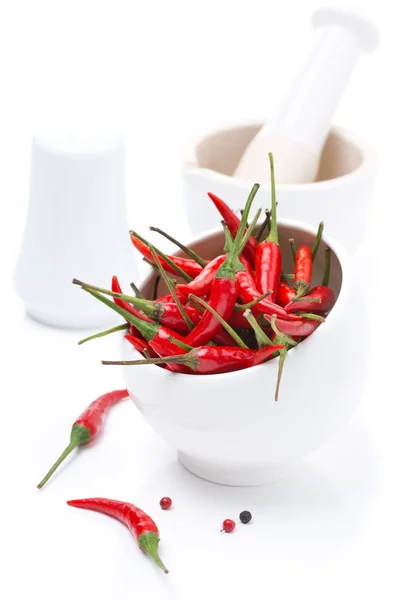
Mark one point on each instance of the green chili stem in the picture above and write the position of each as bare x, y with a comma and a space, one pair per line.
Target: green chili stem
136, 290
261, 336
264, 225
273, 233
179, 343
241, 215
282, 357
287, 276
185, 249
125, 297
285, 338
253, 302
146, 354
293, 249
327, 267
152, 265
317, 240
171, 289
171, 263
306, 299
239, 234
103, 333
249, 232
228, 237
222, 321
311, 317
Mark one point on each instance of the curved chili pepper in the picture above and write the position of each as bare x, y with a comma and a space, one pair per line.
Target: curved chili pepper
201, 285
115, 287
302, 328
138, 522
303, 270
265, 353
140, 345
224, 290
308, 304
233, 222
190, 266
268, 262
87, 426
285, 294
247, 292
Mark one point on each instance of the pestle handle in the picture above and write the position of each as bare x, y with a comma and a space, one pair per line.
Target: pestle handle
300, 123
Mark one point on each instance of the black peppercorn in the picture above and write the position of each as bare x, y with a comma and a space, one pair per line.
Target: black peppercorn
245, 516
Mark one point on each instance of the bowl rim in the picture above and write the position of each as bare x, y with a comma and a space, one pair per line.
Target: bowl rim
344, 261
369, 159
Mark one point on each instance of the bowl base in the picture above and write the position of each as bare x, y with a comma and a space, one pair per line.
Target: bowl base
236, 476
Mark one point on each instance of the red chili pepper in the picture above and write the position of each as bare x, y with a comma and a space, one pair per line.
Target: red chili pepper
170, 298
150, 331
303, 270
115, 287
168, 314
233, 221
302, 328
138, 522
268, 262
190, 266
248, 293
205, 360
285, 294
247, 265
87, 426
140, 345
201, 285
224, 290
308, 304
265, 353
238, 320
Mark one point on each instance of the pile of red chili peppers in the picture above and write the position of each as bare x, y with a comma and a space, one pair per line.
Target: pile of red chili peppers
233, 312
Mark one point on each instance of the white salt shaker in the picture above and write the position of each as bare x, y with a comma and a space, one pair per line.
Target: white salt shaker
76, 227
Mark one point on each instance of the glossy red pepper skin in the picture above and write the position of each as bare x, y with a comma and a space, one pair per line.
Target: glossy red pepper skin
190, 266
285, 294
140, 345
264, 354
324, 293
201, 285
87, 426
303, 269
172, 318
239, 321
170, 298
232, 221
248, 293
163, 345
223, 296
138, 522
268, 266
302, 328
247, 265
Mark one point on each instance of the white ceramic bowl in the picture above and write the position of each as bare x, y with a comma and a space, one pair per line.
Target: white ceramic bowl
340, 196
228, 428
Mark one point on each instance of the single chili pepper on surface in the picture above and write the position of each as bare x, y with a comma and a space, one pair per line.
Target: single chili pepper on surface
285, 293
186, 265
224, 290
87, 426
303, 270
308, 304
204, 360
138, 522
140, 345
268, 261
201, 285
233, 222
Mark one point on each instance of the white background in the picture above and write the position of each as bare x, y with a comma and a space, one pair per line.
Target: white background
158, 72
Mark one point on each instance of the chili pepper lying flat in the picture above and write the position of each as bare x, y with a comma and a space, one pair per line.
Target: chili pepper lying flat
308, 303
138, 522
268, 263
224, 290
233, 222
303, 270
87, 426
188, 265
285, 294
